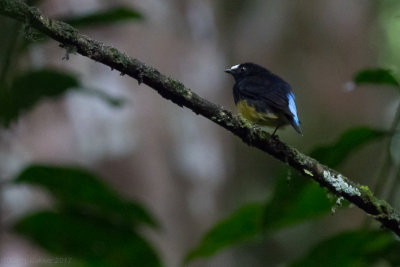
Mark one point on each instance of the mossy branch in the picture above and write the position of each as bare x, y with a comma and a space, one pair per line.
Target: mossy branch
175, 91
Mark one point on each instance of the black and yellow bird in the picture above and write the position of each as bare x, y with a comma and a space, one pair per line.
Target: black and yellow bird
263, 97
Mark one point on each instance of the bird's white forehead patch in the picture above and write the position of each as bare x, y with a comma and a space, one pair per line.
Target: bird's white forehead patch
235, 67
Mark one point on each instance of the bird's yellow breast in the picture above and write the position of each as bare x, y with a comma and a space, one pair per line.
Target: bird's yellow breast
250, 113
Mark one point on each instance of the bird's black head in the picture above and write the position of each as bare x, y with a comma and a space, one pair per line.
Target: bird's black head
246, 69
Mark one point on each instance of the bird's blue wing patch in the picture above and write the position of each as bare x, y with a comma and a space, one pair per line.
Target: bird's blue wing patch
292, 107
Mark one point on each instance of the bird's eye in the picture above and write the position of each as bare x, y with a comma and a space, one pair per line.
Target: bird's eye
243, 69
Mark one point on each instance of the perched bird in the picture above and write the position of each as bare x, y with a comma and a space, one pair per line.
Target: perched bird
263, 98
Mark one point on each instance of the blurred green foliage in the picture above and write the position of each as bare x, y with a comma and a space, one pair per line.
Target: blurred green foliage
354, 248
241, 226
28, 88
376, 76
333, 155
109, 16
20, 92
81, 191
90, 222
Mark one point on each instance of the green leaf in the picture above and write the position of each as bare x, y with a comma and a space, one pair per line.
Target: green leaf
37, 83
33, 2
90, 240
82, 192
31, 87
111, 16
376, 76
351, 140
100, 18
295, 201
242, 225
300, 199
112, 101
355, 248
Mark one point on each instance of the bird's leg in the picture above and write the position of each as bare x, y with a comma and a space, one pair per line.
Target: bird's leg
273, 134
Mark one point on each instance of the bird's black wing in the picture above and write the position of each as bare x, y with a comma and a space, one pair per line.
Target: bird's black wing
265, 94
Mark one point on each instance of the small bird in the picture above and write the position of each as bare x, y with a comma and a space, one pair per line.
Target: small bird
263, 97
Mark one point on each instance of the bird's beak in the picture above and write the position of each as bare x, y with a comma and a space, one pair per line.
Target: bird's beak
228, 71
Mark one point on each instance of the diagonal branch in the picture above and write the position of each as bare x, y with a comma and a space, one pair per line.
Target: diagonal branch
175, 91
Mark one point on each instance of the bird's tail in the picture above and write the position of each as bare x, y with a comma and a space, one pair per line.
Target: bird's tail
296, 126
